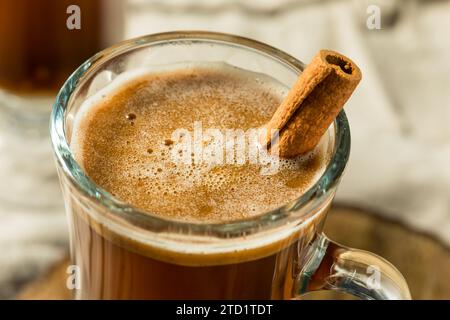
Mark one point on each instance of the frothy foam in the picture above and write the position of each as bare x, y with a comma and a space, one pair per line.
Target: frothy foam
122, 138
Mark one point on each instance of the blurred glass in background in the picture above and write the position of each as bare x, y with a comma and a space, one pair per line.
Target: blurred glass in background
41, 43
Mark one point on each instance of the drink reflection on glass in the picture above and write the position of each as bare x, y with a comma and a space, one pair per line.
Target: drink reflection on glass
38, 50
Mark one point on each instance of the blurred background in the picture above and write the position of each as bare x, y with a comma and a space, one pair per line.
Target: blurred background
397, 184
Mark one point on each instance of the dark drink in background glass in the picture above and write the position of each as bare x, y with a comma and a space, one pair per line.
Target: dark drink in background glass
38, 51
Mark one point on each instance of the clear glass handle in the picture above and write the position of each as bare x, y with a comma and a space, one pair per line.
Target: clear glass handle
330, 266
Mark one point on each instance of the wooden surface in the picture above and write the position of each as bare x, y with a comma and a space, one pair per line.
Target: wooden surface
423, 260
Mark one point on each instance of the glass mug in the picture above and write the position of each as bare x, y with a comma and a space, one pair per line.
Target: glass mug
123, 253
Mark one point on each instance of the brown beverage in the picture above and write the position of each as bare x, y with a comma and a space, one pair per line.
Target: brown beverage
123, 138
37, 50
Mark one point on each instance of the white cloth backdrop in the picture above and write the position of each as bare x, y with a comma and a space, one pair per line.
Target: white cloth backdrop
399, 115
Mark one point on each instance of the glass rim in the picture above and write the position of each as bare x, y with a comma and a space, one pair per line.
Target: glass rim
143, 219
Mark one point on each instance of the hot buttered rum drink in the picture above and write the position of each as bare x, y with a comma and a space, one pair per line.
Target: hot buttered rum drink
151, 139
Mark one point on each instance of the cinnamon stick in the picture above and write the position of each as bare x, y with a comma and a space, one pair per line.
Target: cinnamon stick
313, 103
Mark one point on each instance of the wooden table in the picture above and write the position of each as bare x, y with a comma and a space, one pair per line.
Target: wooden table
423, 260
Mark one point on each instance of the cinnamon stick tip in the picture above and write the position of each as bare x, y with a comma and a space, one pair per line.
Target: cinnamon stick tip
342, 64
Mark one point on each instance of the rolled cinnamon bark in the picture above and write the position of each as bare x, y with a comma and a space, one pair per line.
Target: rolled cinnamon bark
313, 103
